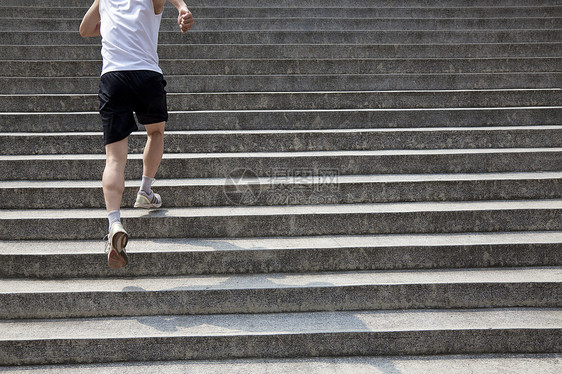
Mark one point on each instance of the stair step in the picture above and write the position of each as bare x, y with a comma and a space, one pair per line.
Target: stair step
292, 220
281, 335
316, 3
300, 189
294, 23
475, 363
293, 141
295, 82
186, 256
292, 119
275, 293
92, 68
301, 100
303, 37
285, 51
326, 163
201, 12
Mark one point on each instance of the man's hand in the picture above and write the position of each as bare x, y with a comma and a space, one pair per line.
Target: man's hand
185, 19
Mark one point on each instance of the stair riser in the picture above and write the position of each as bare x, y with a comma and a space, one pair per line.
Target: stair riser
290, 67
306, 24
289, 83
300, 100
314, 3
274, 300
296, 120
289, 142
86, 350
280, 261
201, 12
289, 225
302, 37
219, 167
300, 194
268, 51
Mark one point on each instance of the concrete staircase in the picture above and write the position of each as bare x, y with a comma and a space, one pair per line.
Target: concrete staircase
346, 183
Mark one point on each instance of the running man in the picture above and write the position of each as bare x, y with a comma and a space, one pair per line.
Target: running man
131, 81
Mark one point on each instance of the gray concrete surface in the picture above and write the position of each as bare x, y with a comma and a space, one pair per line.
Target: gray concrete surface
281, 335
457, 364
456, 211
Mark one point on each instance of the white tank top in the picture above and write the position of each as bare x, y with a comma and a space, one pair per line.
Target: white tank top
129, 31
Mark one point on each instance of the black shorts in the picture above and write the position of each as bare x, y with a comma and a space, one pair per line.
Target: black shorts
124, 92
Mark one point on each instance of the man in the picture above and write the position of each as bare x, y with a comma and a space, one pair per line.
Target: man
131, 81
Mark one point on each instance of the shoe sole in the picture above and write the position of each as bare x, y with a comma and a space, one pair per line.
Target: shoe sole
145, 203
117, 256
150, 206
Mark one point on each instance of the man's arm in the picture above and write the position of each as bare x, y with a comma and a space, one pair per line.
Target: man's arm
158, 6
185, 18
90, 25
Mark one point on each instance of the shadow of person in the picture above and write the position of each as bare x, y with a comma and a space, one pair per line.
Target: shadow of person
256, 297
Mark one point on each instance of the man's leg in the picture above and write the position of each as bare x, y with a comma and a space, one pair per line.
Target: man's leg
113, 186
152, 157
154, 149
114, 174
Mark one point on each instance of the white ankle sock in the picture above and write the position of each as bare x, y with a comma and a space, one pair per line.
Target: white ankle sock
145, 185
113, 217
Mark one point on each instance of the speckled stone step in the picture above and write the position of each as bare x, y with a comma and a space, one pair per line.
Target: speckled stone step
301, 100
330, 163
303, 37
294, 23
281, 335
293, 141
255, 11
291, 220
291, 119
267, 51
476, 363
65, 259
92, 68
318, 3
297, 82
276, 293
293, 189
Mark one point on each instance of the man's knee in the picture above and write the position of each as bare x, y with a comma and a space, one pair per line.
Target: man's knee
155, 129
116, 153
115, 163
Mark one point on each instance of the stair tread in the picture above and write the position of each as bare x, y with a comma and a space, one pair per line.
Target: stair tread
72, 247
261, 155
322, 110
439, 130
475, 363
286, 210
356, 92
380, 178
281, 324
235, 282
312, 18
327, 3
